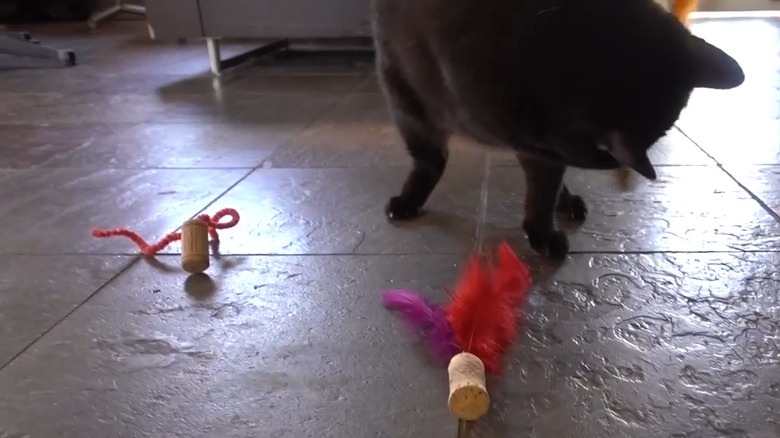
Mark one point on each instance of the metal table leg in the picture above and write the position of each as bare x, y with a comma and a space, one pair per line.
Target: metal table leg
119, 7
218, 65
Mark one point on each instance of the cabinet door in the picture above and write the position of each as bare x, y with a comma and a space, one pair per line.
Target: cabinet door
172, 19
286, 18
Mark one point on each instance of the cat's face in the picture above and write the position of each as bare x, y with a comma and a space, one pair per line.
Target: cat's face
629, 141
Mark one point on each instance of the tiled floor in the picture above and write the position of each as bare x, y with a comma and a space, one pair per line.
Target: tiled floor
664, 322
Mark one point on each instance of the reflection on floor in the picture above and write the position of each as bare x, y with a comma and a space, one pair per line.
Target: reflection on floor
665, 322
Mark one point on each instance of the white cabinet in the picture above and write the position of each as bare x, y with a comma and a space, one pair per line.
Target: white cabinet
286, 18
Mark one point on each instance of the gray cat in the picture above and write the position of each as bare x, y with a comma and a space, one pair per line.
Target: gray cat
585, 83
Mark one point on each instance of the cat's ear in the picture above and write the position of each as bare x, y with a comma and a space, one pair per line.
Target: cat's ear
714, 68
630, 155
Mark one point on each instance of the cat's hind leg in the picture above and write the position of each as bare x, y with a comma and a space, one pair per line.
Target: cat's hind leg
543, 181
426, 143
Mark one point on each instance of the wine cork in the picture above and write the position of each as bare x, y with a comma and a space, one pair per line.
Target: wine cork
195, 246
469, 399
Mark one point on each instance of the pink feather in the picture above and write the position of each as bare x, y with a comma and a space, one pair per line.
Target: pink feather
427, 318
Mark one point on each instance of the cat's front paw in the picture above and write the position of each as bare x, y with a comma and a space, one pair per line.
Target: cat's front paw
399, 209
573, 207
551, 243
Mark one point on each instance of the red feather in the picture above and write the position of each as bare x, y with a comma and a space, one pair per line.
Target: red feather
483, 312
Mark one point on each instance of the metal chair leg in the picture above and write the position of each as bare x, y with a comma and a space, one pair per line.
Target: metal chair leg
22, 44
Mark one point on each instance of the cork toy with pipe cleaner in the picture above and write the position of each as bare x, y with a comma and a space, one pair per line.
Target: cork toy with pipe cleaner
194, 238
474, 331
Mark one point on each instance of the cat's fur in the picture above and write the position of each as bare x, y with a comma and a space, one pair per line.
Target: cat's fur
585, 83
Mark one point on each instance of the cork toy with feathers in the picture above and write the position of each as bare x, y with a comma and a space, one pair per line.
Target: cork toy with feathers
475, 330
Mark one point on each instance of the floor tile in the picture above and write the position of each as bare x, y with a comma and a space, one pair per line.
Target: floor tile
675, 149
285, 347
51, 211
762, 181
672, 150
612, 346
646, 346
689, 208
359, 132
34, 145
59, 108
31, 303
370, 86
299, 84
740, 126
750, 142
94, 79
337, 211
177, 145
316, 63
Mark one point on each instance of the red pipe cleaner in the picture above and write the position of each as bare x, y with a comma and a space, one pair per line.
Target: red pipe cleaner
213, 223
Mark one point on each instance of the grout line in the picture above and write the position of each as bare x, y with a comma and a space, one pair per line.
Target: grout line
64, 317
393, 254
483, 199
119, 169
281, 145
122, 271
309, 125
508, 165
221, 195
661, 251
262, 162
755, 197
195, 169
